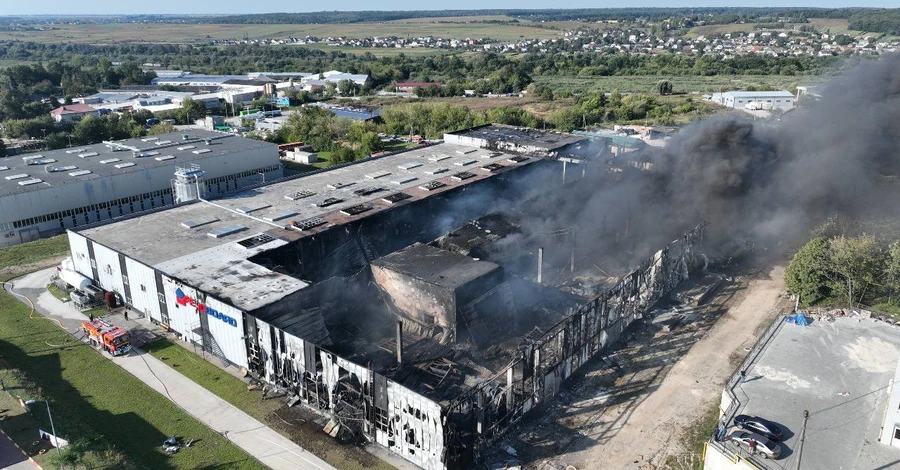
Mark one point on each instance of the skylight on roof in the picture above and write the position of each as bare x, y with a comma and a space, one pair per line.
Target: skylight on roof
62, 168
466, 162
409, 166
436, 171
4, 168
75, 151
16, 177
340, 184
437, 158
29, 182
149, 139
186, 147
164, 142
151, 153
164, 158
226, 230
201, 151
376, 175
249, 209
404, 180
88, 154
299, 195
198, 223
124, 165
80, 173
110, 160
280, 216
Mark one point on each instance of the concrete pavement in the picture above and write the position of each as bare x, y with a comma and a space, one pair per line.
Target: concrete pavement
257, 439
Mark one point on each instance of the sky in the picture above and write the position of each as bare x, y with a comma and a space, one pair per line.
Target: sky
220, 7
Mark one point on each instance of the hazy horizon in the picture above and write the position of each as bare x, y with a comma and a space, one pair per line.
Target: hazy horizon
231, 7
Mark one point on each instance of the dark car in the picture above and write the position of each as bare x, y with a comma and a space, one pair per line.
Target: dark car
765, 447
759, 426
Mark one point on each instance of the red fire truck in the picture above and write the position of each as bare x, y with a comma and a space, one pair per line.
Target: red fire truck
107, 337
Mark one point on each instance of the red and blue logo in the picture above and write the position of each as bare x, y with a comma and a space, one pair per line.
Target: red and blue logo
183, 299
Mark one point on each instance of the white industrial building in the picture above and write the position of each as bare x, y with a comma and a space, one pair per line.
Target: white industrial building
42, 195
766, 100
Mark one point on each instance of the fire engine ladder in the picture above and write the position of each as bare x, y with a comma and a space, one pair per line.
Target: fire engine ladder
210, 344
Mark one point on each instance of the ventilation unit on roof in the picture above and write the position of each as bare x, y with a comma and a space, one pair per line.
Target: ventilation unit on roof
329, 202
517, 159
308, 223
462, 176
185, 137
357, 209
149, 139
432, 186
395, 198
256, 241
493, 167
368, 191
226, 231
195, 223
300, 195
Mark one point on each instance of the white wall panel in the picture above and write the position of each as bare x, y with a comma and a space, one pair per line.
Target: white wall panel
81, 258
144, 296
109, 269
226, 325
182, 318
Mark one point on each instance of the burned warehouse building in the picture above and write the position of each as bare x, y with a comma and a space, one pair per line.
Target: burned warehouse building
413, 297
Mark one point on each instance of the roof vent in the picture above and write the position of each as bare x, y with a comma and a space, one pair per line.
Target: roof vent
185, 137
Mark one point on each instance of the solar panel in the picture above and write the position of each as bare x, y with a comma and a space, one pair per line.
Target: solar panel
357, 209
299, 195
395, 198
258, 240
308, 223
226, 230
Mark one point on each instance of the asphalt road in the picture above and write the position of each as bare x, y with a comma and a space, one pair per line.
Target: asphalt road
11, 457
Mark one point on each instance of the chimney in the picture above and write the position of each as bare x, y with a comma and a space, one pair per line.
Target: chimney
540, 272
399, 342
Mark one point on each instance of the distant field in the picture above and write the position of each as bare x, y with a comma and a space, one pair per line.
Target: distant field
110, 33
647, 84
834, 26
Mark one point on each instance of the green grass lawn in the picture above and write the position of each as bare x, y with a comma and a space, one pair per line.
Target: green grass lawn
93, 398
234, 391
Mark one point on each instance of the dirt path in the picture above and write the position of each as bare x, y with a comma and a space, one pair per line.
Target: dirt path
631, 418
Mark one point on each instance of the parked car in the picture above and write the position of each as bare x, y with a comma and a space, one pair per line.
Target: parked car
765, 447
759, 426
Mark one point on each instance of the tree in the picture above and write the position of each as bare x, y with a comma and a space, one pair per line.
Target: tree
857, 261
346, 87
807, 275
192, 110
161, 128
892, 270
664, 87
370, 143
2, 148
343, 155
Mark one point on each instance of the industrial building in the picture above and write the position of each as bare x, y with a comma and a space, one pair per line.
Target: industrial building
379, 291
42, 195
764, 100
